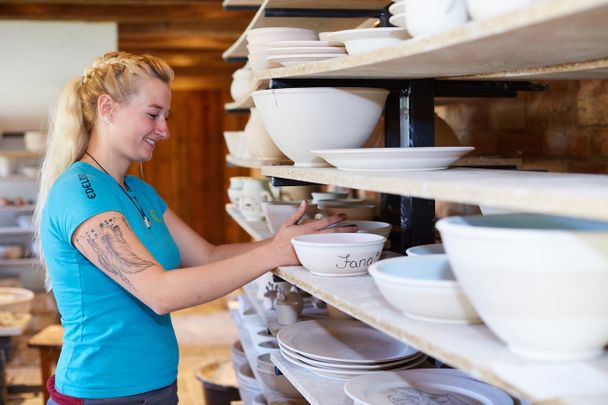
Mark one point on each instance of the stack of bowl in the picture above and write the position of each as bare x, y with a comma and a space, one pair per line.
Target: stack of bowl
278, 383
258, 39
428, 17
290, 53
241, 83
363, 40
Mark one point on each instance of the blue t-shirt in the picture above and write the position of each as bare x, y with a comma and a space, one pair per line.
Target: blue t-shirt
113, 344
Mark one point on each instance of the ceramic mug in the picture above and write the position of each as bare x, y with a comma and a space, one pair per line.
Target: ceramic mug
287, 312
434, 16
235, 189
253, 194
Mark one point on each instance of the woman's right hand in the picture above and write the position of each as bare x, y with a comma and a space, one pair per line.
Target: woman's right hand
281, 246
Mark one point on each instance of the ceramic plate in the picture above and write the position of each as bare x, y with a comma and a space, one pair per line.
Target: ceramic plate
292, 60
285, 44
368, 33
343, 341
422, 250
422, 386
394, 159
306, 50
345, 375
348, 366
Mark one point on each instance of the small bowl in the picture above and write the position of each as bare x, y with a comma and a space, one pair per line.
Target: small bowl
15, 299
279, 383
358, 212
359, 41
376, 227
425, 250
327, 195
338, 254
233, 139
273, 34
423, 288
264, 363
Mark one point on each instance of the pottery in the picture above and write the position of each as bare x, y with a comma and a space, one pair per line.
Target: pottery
14, 299
354, 212
537, 281
327, 195
235, 188
359, 40
7, 166
424, 250
241, 83
298, 193
287, 312
338, 254
257, 139
35, 141
301, 119
279, 383
259, 61
278, 212
481, 9
270, 34
376, 227
294, 60
431, 17
232, 139
253, 194
423, 288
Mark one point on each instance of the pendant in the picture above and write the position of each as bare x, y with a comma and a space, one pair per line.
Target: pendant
147, 222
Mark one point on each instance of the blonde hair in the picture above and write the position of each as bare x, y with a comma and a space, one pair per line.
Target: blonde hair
117, 74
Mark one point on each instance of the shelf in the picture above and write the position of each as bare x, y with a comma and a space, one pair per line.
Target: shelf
246, 103
577, 195
552, 36
254, 163
28, 261
14, 230
258, 230
16, 328
17, 154
17, 208
471, 348
239, 48
239, 4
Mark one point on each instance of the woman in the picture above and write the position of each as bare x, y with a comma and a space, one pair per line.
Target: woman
108, 240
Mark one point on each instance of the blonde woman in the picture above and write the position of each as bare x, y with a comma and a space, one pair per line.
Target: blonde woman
109, 240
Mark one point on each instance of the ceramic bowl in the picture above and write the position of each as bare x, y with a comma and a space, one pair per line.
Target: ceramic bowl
259, 61
425, 250
354, 212
423, 288
376, 227
537, 281
327, 195
397, 7
301, 119
338, 254
359, 41
15, 299
480, 9
232, 139
398, 20
258, 140
270, 34
279, 383
237, 354
278, 212
431, 17
267, 347
241, 83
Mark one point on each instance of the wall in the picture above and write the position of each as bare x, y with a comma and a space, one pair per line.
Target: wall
38, 58
563, 129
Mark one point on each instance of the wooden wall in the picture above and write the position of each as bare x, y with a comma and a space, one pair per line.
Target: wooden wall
189, 169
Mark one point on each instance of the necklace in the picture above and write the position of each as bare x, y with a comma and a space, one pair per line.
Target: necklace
127, 191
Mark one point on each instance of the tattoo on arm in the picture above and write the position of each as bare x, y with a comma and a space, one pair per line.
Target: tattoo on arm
113, 252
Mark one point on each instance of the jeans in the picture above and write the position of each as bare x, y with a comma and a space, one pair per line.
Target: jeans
161, 396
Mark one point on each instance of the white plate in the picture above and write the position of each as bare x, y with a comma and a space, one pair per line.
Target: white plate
347, 366
366, 40
394, 159
422, 386
307, 50
345, 375
421, 250
343, 341
285, 44
292, 60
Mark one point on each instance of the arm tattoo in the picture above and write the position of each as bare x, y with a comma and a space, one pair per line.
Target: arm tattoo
113, 252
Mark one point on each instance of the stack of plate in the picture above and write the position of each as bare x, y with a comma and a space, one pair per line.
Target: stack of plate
290, 53
343, 349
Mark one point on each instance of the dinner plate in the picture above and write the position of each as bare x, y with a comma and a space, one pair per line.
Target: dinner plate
344, 375
345, 341
393, 159
348, 366
292, 60
306, 50
422, 386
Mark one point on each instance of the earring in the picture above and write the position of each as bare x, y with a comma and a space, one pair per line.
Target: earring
106, 120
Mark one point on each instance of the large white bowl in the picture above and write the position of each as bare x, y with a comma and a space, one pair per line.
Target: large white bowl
241, 83
301, 119
278, 383
431, 17
537, 281
480, 9
338, 254
233, 141
270, 34
258, 140
376, 227
423, 288
369, 39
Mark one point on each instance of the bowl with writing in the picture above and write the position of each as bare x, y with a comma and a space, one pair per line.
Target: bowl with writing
338, 254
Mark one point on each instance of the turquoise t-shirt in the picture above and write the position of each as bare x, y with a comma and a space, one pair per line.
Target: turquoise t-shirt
113, 344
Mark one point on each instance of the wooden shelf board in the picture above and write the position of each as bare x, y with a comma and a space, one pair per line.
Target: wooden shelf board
239, 48
227, 4
254, 163
577, 195
471, 348
547, 33
329, 4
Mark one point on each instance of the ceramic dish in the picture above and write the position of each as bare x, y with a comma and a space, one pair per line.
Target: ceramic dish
359, 41
305, 50
300, 44
393, 159
333, 340
423, 250
481, 9
294, 59
233, 141
354, 212
432, 17
398, 20
537, 281
301, 119
422, 386
423, 288
338, 254
270, 34
375, 227
397, 8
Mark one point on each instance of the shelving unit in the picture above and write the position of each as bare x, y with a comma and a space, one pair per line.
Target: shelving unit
254, 163
246, 103
551, 39
258, 230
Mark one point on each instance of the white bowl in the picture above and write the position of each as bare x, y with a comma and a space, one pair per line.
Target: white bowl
300, 44
354, 212
338, 254
294, 60
398, 20
369, 39
480, 9
233, 139
259, 61
273, 34
423, 288
537, 281
35, 141
301, 119
241, 83
278, 212
327, 195
376, 227
279, 383
305, 50
397, 7
425, 250
237, 354
16, 299
258, 140
431, 17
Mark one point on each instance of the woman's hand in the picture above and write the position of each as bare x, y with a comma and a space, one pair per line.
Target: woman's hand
281, 245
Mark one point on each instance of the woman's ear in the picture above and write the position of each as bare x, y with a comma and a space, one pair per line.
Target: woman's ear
105, 104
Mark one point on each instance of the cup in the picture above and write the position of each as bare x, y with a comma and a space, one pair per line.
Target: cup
253, 194
287, 312
327, 195
235, 189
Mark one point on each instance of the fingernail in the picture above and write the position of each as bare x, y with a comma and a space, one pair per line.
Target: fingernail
302, 203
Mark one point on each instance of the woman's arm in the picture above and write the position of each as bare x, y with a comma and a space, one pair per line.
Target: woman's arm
196, 251
108, 241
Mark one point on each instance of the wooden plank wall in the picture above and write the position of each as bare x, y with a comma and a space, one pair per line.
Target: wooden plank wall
189, 169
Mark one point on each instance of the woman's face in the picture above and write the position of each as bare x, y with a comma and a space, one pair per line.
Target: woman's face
138, 125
